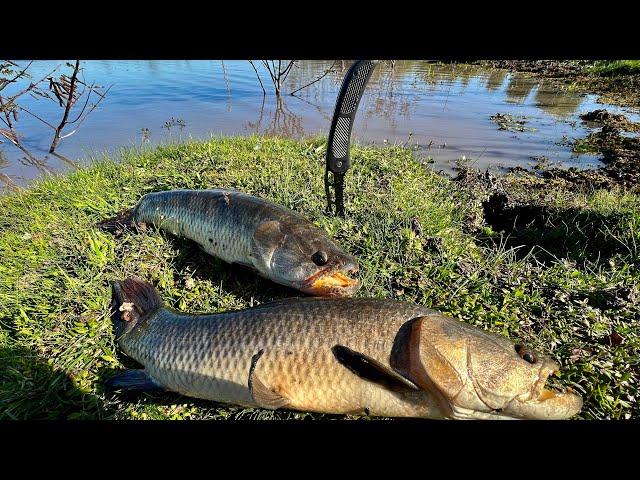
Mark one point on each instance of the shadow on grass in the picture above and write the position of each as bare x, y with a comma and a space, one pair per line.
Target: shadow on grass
31, 389
238, 280
555, 233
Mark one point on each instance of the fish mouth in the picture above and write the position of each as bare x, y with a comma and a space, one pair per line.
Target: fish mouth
332, 282
547, 402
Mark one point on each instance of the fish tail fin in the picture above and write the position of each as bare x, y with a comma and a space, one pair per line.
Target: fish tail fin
133, 299
116, 225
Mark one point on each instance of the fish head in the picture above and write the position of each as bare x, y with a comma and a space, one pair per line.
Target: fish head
301, 256
477, 374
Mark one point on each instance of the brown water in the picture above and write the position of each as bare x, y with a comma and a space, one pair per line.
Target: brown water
441, 111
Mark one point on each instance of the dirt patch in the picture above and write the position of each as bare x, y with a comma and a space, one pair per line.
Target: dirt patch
520, 212
605, 118
548, 68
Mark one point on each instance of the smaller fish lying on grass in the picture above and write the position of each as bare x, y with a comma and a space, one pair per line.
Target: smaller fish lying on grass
277, 243
334, 355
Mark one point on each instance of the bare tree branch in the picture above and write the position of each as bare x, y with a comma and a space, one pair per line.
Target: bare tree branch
69, 103
9, 183
31, 86
36, 116
65, 91
84, 106
317, 79
277, 73
264, 92
93, 107
16, 77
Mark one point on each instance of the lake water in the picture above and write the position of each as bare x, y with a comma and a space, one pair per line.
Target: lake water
443, 111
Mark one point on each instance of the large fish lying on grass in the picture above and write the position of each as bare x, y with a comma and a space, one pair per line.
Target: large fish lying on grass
279, 244
344, 355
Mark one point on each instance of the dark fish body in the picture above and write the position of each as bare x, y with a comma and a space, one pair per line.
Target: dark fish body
276, 242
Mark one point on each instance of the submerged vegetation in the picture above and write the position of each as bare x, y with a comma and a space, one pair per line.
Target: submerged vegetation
539, 260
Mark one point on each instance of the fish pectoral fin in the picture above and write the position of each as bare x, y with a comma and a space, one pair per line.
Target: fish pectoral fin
263, 395
133, 380
265, 239
372, 370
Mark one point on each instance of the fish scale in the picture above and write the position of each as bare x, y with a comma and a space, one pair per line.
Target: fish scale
209, 356
215, 219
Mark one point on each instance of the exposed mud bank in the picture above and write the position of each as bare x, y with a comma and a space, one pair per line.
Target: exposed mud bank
617, 86
618, 145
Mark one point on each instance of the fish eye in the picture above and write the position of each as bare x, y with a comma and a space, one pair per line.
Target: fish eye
526, 354
319, 258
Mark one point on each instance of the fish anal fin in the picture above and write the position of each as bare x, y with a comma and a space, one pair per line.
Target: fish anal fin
266, 397
262, 394
133, 380
372, 370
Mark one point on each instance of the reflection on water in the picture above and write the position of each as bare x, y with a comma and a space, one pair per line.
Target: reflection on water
277, 119
556, 103
519, 87
432, 105
495, 80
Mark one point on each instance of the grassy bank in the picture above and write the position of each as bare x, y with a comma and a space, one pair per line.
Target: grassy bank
566, 282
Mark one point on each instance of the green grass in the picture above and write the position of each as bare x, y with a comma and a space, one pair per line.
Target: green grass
616, 67
419, 236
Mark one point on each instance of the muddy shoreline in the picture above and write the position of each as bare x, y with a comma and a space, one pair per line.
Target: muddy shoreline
620, 87
617, 140
617, 144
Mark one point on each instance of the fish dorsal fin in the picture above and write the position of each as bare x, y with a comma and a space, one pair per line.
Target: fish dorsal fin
264, 396
372, 370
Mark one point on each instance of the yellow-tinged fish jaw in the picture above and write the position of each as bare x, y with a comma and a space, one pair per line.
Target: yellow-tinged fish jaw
331, 283
540, 403
543, 403
302, 257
